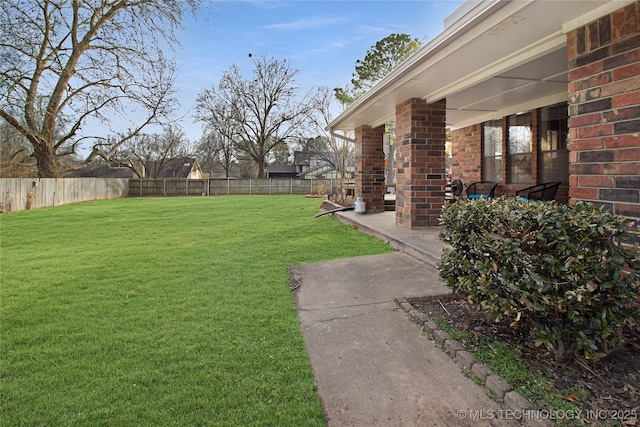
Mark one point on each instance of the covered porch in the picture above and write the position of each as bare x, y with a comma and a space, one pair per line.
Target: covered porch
495, 62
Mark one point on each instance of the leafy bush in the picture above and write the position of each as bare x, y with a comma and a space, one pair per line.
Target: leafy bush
558, 272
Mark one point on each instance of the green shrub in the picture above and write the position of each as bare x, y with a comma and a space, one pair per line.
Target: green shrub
557, 272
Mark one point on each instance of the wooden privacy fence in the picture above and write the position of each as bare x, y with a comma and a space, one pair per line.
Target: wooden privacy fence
217, 186
19, 194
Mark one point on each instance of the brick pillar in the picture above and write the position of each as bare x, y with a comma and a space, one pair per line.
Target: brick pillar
420, 161
604, 113
369, 173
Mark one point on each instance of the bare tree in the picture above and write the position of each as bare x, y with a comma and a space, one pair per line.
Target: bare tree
220, 130
264, 110
15, 154
148, 154
99, 59
215, 148
335, 149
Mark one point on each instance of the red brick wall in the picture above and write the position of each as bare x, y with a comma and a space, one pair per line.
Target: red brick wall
466, 154
420, 162
604, 110
369, 168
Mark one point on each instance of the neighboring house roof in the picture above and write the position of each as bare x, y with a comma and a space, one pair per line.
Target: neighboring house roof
493, 58
181, 167
100, 171
301, 158
184, 167
291, 169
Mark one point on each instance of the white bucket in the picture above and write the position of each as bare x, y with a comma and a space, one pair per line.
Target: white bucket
359, 206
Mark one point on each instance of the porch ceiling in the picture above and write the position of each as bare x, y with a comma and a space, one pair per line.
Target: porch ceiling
493, 58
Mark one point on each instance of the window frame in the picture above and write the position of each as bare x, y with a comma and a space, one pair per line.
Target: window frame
558, 172
520, 139
492, 159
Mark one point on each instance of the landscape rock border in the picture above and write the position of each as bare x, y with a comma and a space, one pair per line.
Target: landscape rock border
463, 358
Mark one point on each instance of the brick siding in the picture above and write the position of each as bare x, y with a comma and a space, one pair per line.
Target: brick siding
466, 154
604, 110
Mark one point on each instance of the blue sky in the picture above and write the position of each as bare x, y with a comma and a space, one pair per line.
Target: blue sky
322, 39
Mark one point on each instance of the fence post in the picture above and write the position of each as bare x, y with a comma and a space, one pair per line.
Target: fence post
269, 186
140, 187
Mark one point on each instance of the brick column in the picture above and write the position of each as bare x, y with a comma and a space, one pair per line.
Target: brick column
420, 161
604, 113
369, 170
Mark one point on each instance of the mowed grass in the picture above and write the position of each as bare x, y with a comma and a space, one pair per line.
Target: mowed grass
161, 312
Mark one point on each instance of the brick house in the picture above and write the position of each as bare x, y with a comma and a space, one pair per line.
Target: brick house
531, 91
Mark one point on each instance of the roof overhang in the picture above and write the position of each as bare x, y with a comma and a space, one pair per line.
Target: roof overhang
494, 58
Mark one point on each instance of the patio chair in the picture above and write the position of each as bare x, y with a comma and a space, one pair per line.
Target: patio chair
481, 190
544, 191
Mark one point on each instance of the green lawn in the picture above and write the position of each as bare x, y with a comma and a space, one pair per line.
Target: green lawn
160, 312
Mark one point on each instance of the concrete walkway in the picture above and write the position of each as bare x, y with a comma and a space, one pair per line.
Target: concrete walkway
372, 365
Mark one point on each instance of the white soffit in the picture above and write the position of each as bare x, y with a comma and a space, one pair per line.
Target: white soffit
493, 59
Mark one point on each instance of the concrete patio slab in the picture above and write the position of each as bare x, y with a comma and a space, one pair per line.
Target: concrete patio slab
423, 244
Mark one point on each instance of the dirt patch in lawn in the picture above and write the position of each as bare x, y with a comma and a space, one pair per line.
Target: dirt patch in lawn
611, 385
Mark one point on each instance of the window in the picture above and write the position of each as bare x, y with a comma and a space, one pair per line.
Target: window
519, 148
492, 151
553, 159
